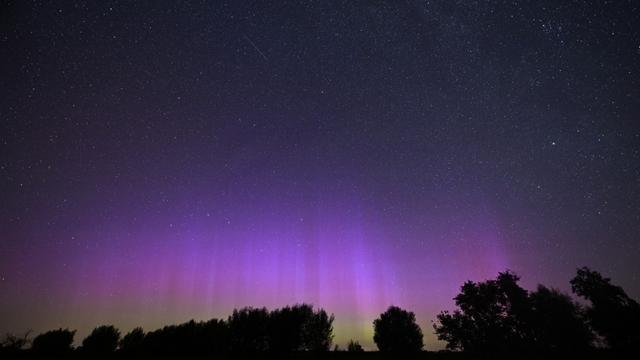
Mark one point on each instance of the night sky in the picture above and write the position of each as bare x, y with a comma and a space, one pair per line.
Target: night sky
162, 161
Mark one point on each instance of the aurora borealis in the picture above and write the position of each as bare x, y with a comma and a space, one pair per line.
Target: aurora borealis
165, 161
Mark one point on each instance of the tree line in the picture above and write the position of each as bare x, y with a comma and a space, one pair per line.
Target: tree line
498, 316
493, 317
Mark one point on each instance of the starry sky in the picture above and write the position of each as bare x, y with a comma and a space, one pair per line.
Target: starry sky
168, 160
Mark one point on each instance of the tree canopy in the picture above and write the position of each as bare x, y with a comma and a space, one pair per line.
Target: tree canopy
499, 316
102, 340
396, 330
132, 343
612, 314
557, 323
300, 328
249, 330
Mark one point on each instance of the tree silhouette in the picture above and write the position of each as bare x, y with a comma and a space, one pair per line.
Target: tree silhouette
317, 329
248, 328
53, 343
133, 342
396, 330
557, 323
188, 339
300, 328
212, 337
612, 314
103, 340
492, 317
354, 346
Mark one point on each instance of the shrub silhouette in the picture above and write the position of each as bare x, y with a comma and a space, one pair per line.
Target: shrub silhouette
103, 340
54, 342
354, 346
13, 344
612, 314
300, 328
396, 330
133, 342
492, 317
557, 323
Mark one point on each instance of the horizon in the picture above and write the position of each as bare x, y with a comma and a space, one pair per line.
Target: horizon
365, 331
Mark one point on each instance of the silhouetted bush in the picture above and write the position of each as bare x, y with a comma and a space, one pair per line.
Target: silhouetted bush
53, 343
354, 346
612, 314
300, 328
103, 340
12, 345
397, 331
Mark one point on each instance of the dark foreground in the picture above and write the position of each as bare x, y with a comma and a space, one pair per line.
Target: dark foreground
343, 355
